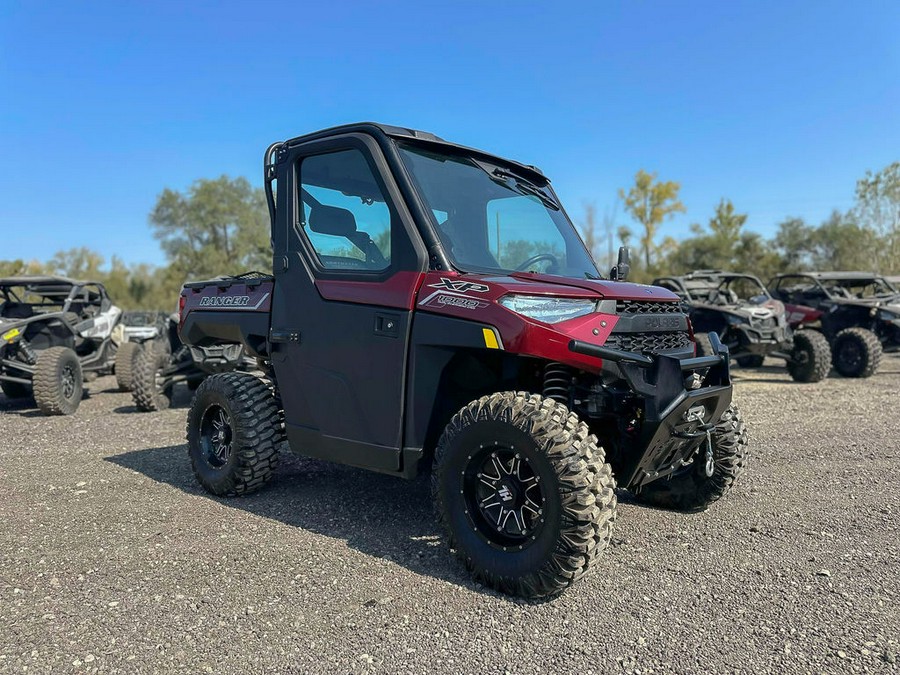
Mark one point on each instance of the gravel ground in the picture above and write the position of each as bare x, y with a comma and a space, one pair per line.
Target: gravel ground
112, 559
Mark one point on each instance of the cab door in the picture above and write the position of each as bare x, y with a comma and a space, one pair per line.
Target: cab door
346, 277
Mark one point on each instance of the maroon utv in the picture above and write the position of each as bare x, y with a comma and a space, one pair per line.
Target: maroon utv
433, 307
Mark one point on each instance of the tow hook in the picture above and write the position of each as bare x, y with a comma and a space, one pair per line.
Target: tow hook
710, 464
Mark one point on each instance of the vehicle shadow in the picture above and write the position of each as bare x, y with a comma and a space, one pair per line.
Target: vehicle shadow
181, 398
23, 407
375, 514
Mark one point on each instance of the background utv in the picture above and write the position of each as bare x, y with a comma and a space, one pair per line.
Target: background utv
433, 306
751, 323
54, 332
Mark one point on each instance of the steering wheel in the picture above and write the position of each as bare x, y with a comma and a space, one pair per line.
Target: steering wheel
554, 263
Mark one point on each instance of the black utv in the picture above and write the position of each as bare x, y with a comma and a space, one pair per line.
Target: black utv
749, 321
54, 332
857, 312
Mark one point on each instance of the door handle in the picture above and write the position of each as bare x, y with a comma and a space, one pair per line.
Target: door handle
387, 324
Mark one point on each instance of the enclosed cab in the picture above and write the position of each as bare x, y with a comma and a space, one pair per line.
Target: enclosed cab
433, 308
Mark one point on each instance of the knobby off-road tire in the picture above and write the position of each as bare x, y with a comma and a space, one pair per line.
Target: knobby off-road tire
692, 489
540, 442
147, 393
234, 431
750, 361
812, 357
15, 389
57, 381
704, 346
125, 362
856, 352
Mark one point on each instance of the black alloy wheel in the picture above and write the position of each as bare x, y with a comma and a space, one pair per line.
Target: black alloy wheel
505, 502
216, 436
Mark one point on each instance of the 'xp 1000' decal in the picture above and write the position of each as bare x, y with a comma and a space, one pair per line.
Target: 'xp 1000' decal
439, 299
231, 301
460, 286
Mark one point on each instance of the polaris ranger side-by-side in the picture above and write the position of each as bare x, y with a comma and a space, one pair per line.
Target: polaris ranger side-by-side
750, 322
432, 305
54, 332
857, 312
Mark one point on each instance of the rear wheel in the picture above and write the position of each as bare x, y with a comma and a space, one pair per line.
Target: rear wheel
856, 352
693, 489
15, 389
524, 493
234, 431
150, 392
811, 357
58, 383
125, 362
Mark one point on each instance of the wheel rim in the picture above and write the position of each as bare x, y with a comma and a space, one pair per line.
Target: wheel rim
216, 436
68, 381
504, 497
850, 354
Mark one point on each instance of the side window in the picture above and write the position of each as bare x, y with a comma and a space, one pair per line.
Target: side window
518, 230
346, 217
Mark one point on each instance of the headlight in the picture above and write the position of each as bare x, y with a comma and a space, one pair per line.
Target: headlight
736, 320
549, 309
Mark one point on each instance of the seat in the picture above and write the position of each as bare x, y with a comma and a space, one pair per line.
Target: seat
17, 310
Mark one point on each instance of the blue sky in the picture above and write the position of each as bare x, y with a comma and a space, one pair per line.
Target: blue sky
779, 106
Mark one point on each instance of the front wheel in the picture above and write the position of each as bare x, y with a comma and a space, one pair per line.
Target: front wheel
150, 391
57, 381
856, 352
693, 489
810, 357
125, 363
524, 493
234, 432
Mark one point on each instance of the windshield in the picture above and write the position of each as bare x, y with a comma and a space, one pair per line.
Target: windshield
490, 219
859, 289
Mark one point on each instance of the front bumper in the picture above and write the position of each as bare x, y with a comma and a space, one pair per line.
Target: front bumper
760, 341
676, 418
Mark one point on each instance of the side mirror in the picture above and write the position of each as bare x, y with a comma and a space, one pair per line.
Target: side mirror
623, 265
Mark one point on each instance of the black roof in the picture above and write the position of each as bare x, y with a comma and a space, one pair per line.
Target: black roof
832, 276
45, 280
33, 279
423, 137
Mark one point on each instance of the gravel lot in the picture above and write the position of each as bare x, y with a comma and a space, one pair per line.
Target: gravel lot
112, 559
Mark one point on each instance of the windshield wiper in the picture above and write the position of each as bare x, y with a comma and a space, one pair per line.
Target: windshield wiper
524, 186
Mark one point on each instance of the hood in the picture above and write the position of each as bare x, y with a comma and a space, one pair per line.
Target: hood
528, 283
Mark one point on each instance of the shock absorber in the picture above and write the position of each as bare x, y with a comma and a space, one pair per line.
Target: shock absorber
27, 352
558, 382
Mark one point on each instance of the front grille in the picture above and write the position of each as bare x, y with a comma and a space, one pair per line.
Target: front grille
647, 307
649, 343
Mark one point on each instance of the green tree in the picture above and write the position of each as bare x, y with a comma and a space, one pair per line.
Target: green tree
78, 263
215, 227
878, 207
713, 247
650, 202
